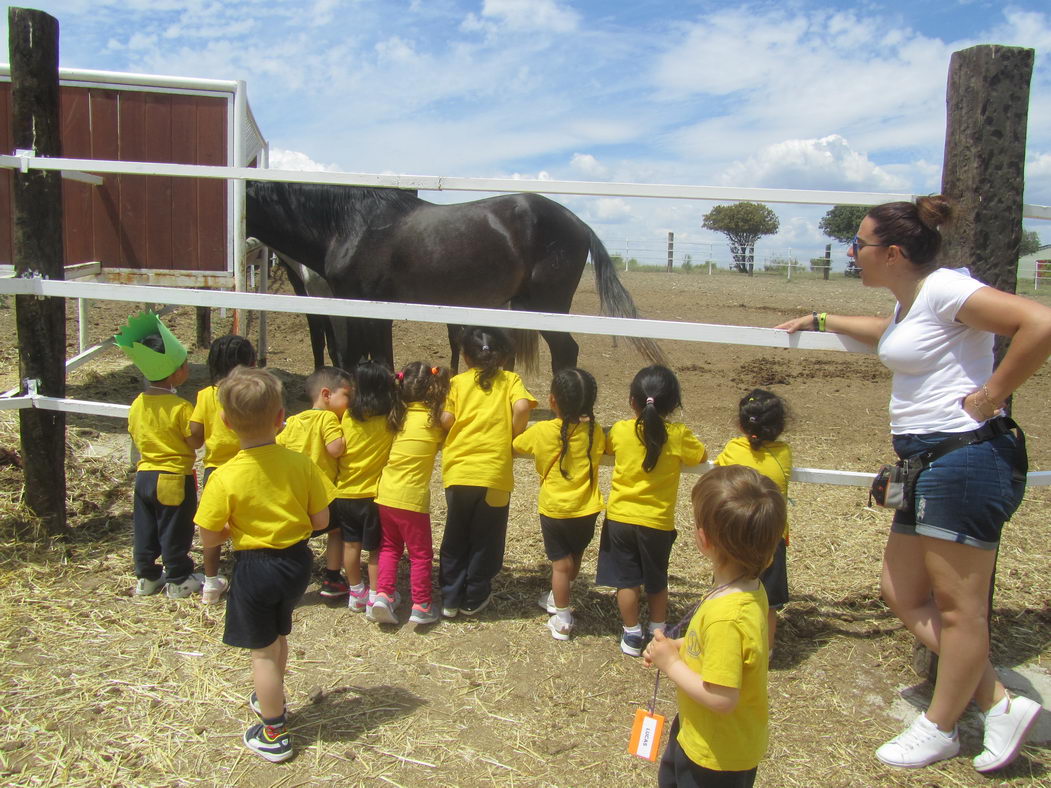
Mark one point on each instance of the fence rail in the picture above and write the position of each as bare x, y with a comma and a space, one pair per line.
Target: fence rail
586, 324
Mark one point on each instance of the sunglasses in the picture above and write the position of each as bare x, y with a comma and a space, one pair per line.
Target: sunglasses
857, 243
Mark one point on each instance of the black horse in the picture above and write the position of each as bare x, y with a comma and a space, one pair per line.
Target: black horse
524, 251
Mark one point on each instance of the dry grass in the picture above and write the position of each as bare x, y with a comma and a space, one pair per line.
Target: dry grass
102, 688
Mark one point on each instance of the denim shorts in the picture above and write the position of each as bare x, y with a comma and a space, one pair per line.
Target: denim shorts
964, 496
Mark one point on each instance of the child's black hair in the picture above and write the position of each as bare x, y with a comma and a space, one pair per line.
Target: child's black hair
761, 415
419, 382
227, 352
655, 393
488, 350
374, 393
575, 391
331, 378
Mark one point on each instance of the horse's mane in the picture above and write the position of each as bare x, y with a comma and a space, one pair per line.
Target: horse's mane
326, 211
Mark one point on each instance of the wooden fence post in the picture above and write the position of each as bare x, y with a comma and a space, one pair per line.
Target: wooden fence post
671, 250
38, 251
987, 108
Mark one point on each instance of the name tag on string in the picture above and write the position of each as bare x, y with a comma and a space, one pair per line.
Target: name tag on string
645, 739
646, 734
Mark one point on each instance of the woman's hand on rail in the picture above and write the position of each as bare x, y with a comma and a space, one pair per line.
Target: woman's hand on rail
805, 323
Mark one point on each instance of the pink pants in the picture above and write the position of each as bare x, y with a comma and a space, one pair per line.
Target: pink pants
401, 530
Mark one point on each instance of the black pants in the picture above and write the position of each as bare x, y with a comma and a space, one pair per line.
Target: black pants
678, 771
163, 531
472, 550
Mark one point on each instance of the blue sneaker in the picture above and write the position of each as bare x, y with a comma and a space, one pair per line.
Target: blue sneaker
274, 744
631, 644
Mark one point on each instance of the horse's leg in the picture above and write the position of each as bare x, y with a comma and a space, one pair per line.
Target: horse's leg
564, 349
455, 332
317, 324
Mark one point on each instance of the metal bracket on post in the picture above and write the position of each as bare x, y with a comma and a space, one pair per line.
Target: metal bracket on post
32, 387
24, 155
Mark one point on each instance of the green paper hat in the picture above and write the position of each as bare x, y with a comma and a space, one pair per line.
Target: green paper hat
153, 365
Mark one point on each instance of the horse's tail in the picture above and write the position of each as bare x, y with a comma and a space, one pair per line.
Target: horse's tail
616, 301
526, 345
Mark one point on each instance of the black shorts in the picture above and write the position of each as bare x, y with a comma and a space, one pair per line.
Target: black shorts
358, 520
678, 771
567, 536
266, 585
634, 555
775, 578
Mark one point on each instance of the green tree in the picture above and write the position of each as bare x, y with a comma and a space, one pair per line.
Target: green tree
841, 222
743, 224
1030, 243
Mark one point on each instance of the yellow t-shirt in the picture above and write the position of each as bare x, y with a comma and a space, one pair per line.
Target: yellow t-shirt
267, 494
368, 444
642, 498
560, 497
726, 644
160, 424
220, 442
478, 448
406, 479
773, 460
309, 433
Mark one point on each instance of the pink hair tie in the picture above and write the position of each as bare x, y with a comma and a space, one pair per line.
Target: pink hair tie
649, 400
400, 376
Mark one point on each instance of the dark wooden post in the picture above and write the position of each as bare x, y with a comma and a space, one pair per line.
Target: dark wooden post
828, 261
37, 244
987, 108
204, 326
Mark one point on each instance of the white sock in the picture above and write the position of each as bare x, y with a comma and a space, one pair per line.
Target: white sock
653, 626
635, 630
372, 595
358, 588
565, 615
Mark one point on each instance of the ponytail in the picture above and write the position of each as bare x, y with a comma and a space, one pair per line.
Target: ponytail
655, 393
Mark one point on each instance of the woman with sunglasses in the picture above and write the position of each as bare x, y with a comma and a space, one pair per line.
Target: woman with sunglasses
939, 558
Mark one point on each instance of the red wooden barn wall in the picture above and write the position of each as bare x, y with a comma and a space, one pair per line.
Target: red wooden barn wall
136, 221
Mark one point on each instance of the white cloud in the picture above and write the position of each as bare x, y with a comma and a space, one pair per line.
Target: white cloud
281, 159
826, 163
588, 165
612, 210
522, 16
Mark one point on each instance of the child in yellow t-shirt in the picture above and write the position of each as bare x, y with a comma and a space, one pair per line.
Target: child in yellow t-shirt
720, 666
368, 436
567, 451
761, 415
317, 434
165, 488
220, 442
637, 535
404, 494
267, 501
486, 408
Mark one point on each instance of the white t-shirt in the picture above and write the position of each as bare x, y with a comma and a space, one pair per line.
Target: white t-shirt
936, 360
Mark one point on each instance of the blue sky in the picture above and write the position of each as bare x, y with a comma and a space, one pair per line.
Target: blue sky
820, 94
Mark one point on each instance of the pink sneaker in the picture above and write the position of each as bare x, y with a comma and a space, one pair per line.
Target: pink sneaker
358, 601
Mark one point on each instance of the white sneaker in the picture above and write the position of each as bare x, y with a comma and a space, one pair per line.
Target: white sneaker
921, 744
382, 610
1005, 732
547, 602
146, 587
559, 629
191, 585
214, 588
450, 612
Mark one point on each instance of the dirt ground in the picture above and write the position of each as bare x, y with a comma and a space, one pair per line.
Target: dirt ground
101, 688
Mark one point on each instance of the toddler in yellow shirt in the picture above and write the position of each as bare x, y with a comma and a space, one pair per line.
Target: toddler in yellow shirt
317, 433
720, 666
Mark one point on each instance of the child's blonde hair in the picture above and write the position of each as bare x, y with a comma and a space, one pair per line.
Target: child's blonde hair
742, 513
251, 398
